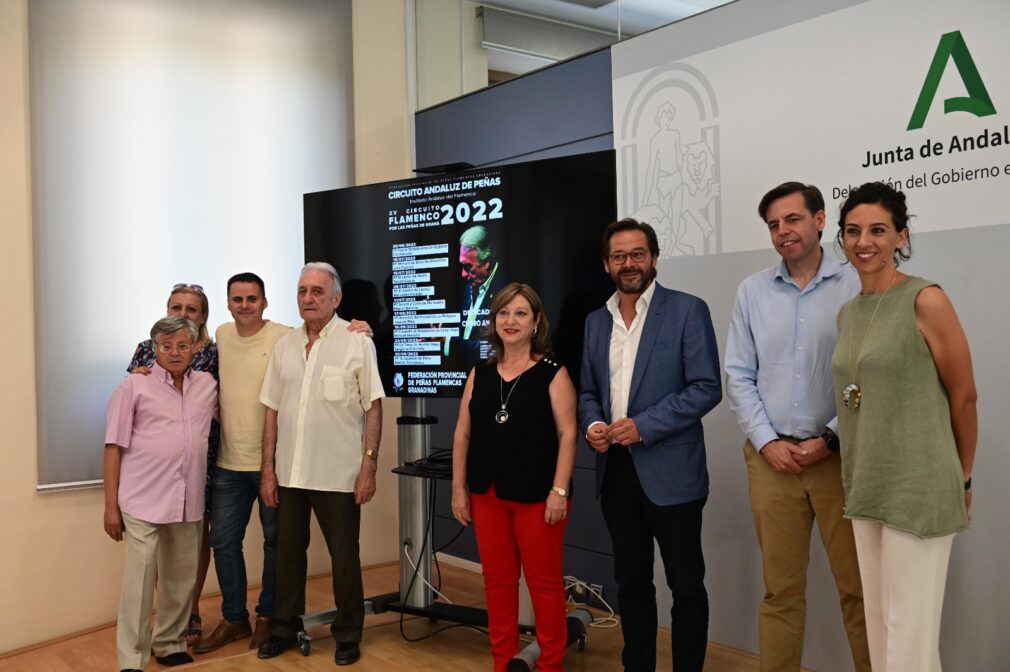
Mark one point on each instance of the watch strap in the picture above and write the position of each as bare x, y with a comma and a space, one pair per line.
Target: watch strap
831, 439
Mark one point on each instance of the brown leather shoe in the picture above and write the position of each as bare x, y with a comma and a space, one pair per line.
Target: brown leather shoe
264, 628
224, 633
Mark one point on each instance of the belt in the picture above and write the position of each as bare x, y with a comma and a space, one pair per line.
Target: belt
793, 439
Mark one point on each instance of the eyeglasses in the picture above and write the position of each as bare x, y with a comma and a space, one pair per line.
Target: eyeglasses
167, 348
186, 285
637, 256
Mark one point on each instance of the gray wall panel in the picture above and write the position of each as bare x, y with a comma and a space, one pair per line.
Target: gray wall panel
562, 105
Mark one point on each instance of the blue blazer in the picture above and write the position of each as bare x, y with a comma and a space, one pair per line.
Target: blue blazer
676, 381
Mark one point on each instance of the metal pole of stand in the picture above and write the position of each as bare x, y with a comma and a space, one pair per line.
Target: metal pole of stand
526, 660
414, 443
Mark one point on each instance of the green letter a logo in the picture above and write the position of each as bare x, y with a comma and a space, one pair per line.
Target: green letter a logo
952, 47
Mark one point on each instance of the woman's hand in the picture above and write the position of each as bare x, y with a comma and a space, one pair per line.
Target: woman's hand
556, 509
142, 370
461, 505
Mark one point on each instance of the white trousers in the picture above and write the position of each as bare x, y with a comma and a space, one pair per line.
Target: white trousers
904, 578
165, 554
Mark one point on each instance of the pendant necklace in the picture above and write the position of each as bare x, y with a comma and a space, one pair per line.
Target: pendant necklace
852, 395
502, 416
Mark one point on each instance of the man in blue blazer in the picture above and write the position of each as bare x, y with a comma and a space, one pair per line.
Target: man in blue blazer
650, 372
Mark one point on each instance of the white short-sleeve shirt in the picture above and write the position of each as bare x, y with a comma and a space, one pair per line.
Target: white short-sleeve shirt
321, 401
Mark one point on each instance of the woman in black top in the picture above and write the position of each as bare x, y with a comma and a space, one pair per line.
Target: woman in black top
513, 454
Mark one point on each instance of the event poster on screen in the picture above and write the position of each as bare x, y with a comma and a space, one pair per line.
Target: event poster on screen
422, 259
445, 232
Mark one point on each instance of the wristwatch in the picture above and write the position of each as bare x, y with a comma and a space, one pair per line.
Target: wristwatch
831, 439
560, 491
372, 453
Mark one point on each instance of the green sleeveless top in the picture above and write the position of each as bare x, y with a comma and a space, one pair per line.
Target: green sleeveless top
899, 461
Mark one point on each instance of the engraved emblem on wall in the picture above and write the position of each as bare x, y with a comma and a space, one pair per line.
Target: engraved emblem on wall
668, 154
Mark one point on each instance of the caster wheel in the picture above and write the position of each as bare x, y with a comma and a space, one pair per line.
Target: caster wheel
304, 645
582, 642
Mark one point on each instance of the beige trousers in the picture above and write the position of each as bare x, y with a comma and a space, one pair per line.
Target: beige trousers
904, 578
166, 554
785, 507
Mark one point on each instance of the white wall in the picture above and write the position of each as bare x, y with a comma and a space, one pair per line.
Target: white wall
172, 142
59, 573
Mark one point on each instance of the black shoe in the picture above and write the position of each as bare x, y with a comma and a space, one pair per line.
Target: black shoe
130, 669
274, 647
347, 653
173, 659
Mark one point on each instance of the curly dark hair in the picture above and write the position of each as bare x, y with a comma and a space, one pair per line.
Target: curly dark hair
887, 197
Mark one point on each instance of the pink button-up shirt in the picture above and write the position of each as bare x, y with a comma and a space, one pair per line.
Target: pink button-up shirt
162, 434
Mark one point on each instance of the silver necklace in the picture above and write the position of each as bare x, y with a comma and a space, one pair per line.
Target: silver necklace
502, 416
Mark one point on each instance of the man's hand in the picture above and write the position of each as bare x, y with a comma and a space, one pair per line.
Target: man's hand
268, 488
779, 455
114, 523
624, 432
360, 327
364, 484
597, 438
810, 451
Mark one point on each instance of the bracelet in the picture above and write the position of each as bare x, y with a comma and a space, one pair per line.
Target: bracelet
372, 453
967, 484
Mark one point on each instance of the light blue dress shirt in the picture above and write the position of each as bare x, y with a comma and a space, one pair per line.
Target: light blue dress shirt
778, 352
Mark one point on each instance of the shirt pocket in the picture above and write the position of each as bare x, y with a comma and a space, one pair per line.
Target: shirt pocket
335, 385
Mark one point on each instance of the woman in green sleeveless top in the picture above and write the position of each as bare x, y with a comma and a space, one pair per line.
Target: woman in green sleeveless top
908, 428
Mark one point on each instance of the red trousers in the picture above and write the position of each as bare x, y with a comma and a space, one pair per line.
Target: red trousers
510, 534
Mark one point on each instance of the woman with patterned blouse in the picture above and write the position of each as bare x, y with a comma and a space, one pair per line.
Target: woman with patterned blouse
189, 301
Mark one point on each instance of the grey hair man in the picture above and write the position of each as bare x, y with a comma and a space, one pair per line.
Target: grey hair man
481, 271
155, 466
320, 445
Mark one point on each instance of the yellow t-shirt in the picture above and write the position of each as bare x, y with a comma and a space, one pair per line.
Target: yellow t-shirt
242, 363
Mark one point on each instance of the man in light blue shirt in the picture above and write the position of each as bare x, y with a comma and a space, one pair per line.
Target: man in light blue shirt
778, 380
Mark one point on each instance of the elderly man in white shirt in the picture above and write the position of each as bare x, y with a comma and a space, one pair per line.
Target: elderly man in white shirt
323, 396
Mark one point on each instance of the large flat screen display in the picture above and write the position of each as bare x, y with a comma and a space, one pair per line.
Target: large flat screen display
422, 259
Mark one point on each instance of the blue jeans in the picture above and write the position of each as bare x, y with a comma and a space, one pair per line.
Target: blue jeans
231, 507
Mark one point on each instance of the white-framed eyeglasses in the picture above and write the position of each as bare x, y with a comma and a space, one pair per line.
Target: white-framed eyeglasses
167, 348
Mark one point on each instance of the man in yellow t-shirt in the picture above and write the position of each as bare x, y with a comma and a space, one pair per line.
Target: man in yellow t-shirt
244, 348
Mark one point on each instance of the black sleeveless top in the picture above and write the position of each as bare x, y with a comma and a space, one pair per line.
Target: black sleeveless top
518, 456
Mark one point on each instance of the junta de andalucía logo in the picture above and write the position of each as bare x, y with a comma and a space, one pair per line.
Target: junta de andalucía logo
952, 47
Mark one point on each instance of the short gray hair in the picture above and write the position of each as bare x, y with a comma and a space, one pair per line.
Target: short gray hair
167, 326
325, 268
477, 238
